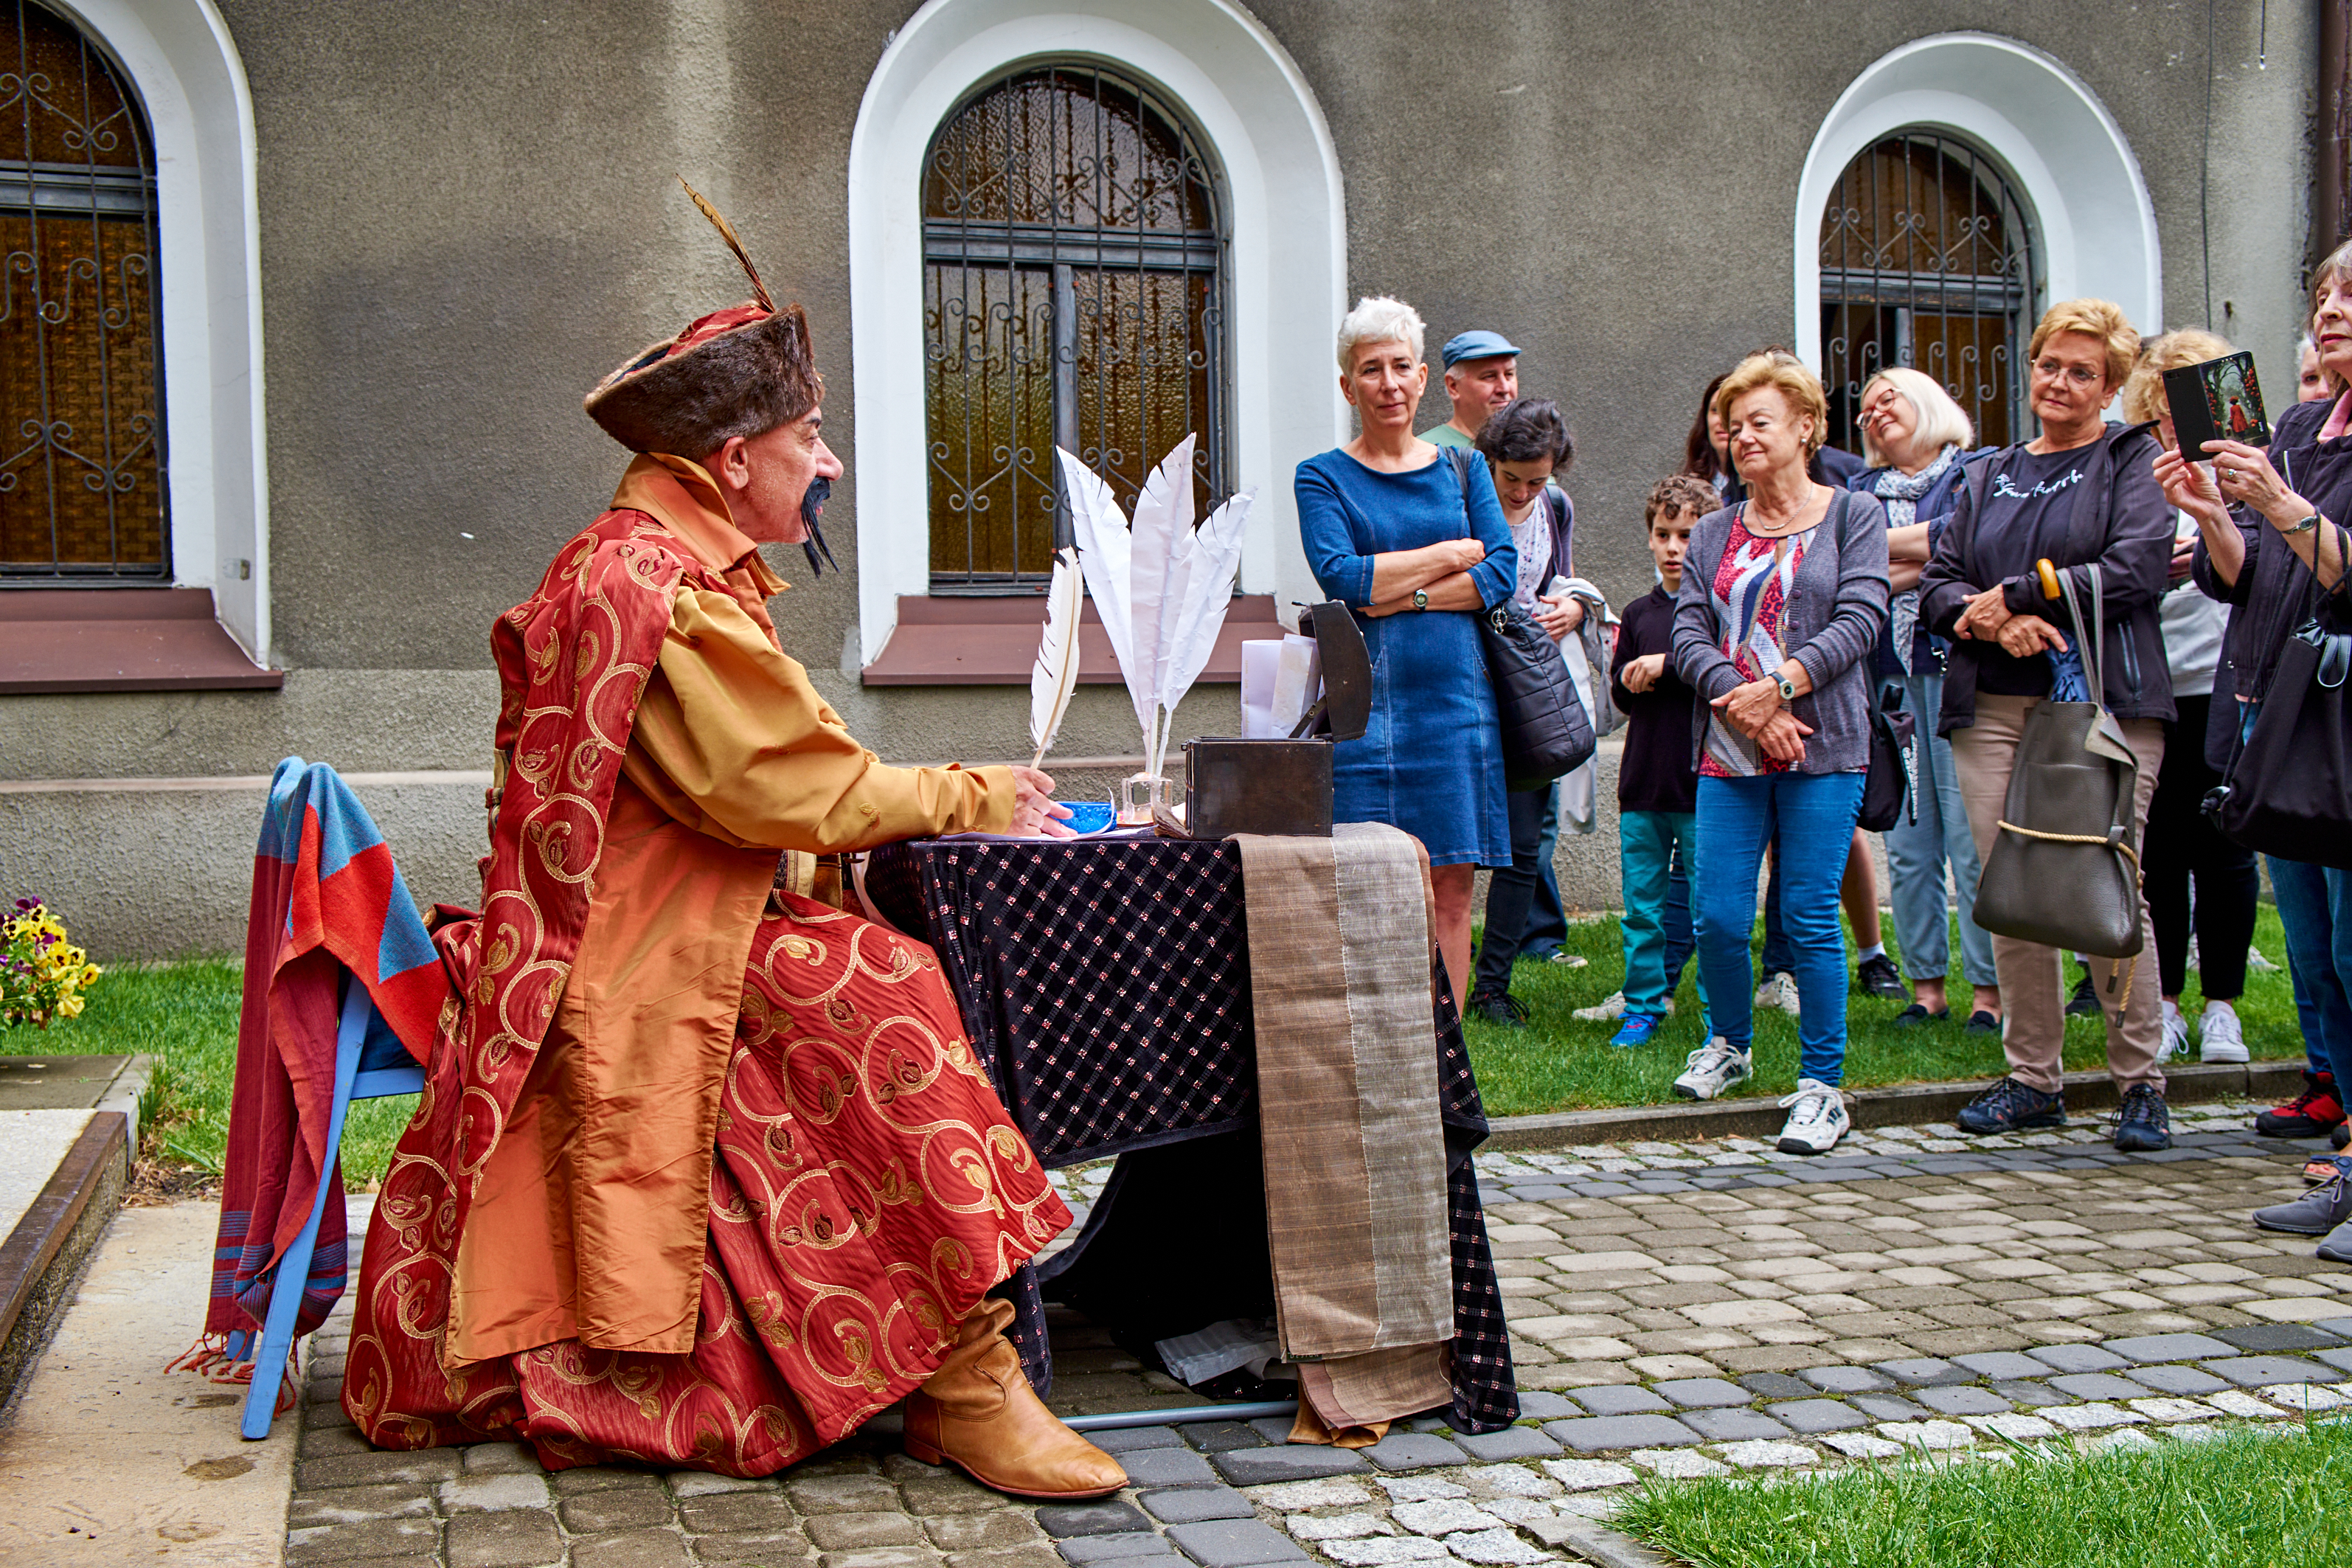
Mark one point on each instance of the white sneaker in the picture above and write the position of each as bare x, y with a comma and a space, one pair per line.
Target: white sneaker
2176, 1035
1779, 990
1604, 1012
2222, 1038
1817, 1119
1610, 1009
1712, 1068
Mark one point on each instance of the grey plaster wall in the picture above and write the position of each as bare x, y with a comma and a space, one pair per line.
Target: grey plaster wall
468, 217
1615, 186
159, 875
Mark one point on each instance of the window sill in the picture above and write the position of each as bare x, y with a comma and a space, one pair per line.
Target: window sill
993, 642
62, 640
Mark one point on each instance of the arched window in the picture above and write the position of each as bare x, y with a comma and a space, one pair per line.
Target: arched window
81, 432
1074, 251
1927, 261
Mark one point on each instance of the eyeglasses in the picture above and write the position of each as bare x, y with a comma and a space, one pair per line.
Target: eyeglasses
2081, 375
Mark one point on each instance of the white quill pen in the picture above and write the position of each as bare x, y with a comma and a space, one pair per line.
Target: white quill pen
1156, 575
1056, 675
1216, 556
1104, 552
1162, 587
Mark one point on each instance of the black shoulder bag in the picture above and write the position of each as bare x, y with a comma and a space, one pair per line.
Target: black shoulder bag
1545, 732
1887, 796
2288, 790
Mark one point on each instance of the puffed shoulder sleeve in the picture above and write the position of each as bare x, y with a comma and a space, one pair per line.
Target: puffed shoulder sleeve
731, 739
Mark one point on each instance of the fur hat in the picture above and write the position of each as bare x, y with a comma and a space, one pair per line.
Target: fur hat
742, 371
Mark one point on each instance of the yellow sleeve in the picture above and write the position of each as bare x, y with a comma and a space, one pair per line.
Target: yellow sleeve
732, 739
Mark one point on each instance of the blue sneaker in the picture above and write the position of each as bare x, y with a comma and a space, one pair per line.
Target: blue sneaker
1636, 1029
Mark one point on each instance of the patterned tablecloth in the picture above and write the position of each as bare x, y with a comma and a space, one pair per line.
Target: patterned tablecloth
1105, 985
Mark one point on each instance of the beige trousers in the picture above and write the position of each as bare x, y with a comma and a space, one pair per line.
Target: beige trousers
2033, 986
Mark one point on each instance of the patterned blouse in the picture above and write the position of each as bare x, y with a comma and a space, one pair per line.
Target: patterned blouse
1751, 592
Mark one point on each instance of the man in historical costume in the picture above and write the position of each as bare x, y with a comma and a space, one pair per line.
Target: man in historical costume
705, 1172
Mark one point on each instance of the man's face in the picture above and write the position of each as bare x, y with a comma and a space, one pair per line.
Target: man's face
764, 476
1480, 386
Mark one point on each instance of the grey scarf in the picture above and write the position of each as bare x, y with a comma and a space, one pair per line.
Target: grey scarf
1901, 492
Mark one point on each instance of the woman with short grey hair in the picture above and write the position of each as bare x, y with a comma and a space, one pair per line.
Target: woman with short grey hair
1417, 551
1914, 437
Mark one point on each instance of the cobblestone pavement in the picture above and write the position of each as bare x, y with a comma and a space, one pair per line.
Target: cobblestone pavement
1676, 1310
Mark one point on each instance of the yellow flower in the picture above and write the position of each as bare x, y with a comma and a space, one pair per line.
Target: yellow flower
90, 973
69, 1006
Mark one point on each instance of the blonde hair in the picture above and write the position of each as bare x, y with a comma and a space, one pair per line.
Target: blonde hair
2101, 319
1784, 371
1380, 319
2143, 397
1939, 421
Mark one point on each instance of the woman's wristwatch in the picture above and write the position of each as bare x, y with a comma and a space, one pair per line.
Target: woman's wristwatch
2306, 526
1788, 687
1421, 598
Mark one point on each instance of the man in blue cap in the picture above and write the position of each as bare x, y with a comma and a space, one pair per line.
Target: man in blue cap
1482, 374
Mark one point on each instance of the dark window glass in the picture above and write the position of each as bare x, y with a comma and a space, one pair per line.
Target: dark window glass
81, 430
1074, 249
1927, 262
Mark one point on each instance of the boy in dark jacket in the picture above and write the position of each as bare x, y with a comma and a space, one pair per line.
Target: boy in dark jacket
1657, 781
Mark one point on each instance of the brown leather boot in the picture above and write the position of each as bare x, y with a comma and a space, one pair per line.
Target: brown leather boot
979, 1414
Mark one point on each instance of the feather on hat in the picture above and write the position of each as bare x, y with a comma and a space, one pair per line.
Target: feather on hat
742, 371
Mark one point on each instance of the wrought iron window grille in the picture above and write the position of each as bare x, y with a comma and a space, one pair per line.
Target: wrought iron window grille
1927, 260
1075, 249
82, 495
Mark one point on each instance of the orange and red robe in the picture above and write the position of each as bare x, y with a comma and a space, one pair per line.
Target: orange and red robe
705, 1172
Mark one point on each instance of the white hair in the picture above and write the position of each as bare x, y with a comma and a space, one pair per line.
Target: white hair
1939, 421
1380, 321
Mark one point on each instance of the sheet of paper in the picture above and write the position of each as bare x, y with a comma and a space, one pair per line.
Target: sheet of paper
1298, 683
1261, 663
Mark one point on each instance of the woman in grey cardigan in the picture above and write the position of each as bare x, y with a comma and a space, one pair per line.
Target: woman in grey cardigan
1782, 599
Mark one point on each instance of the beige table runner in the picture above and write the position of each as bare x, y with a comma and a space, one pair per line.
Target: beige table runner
1354, 1150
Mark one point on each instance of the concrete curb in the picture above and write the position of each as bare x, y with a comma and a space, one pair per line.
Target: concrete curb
1612, 1549
43, 1256
123, 1094
1905, 1105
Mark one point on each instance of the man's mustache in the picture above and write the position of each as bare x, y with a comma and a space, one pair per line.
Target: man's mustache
813, 502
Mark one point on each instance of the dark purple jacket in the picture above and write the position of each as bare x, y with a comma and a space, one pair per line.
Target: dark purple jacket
2121, 521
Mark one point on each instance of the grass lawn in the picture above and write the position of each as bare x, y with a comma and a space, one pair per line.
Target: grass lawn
1559, 1064
185, 1014
2248, 1499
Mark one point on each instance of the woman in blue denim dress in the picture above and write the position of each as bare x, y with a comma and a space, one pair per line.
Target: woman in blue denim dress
1389, 531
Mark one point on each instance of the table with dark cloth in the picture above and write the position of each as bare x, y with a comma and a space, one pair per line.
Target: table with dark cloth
1106, 985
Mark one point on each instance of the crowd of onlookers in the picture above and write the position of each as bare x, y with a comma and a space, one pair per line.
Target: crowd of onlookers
1809, 599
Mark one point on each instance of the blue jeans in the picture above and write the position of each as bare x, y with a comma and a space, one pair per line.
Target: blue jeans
2315, 936
1647, 843
1916, 853
2314, 906
1812, 815
1676, 914
1778, 958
